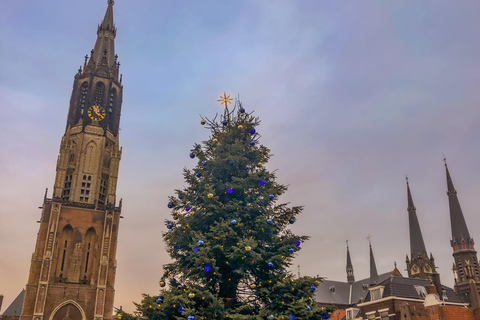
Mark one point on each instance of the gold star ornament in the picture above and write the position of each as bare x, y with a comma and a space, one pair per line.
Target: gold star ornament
225, 100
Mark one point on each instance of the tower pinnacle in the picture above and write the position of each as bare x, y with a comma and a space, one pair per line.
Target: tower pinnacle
417, 246
350, 275
373, 266
459, 227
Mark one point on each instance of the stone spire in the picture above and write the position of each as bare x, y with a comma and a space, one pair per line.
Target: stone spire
350, 275
373, 267
417, 246
103, 59
459, 227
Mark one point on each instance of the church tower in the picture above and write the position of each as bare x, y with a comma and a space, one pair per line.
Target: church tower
419, 265
467, 278
72, 270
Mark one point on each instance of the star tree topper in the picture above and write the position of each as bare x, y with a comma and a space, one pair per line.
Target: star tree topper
225, 100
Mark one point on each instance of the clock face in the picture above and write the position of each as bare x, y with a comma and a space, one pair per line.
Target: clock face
96, 113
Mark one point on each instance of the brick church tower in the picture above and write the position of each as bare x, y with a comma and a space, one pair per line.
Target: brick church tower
72, 271
465, 266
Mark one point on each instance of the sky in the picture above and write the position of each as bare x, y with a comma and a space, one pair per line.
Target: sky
353, 95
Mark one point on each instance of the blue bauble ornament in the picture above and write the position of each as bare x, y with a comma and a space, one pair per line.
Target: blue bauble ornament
192, 155
325, 316
181, 309
271, 196
292, 317
204, 162
224, 122
169, 225
270, 264
234, 222
176, 247
198, 174
252, 143
187, 208
200, 243
190, 317
291, 221
313, 288
261, 182
230, 190
252, 131
170, 205
291, 250
159, 300
180, 197
269, 221
231, 162
309, 308
242, 110
297, 243
195, 249
207, 268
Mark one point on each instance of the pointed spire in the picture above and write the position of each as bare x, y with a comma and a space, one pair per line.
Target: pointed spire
459, 226
104, 50
350, 275
373, 267
417, 246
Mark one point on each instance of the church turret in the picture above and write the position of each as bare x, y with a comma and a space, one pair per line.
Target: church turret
72, 272
419, 265
350, 274
464, 254
373, 266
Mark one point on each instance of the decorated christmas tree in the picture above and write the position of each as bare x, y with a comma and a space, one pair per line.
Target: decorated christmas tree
229, 235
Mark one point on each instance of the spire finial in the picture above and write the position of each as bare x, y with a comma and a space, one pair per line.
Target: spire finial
112, 2
445, 160
347, 243
369, 237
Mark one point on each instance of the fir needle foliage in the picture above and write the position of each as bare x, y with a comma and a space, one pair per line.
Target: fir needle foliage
228, 236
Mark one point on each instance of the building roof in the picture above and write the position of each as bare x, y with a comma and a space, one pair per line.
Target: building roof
341, 293
406, 288
15, 308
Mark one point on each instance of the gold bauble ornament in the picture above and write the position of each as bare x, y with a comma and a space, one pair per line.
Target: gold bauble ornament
317, 283
203, 122
260, 164
215, 140
210, 195
252, 285
240, 126
248, 248
161, 283
191, 295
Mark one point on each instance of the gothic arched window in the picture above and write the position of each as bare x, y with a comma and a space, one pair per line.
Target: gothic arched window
65, 245
99, 92
111, 101
85, 190
90, 239
66, 187
83, 97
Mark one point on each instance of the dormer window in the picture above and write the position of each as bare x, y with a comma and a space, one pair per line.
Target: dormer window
332, 289
421, 291
376, 293
351, 313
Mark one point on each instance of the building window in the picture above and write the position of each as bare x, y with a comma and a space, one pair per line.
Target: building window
111, 101
83, 97
332, 289
421, 291
444, 294
99, 91
103, 192
66, 187
370, 315
376, 293
85, 190
384, 315
351, 313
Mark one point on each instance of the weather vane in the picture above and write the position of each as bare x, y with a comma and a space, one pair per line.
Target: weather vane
225, 100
